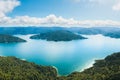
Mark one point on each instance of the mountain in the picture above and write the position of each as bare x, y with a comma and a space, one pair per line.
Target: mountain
106, 31
37, 30
105, 69
60, 35
10, 39
94, 30
27, 30
12, 68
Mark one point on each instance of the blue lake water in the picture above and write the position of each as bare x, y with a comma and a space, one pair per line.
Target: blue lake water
65, 56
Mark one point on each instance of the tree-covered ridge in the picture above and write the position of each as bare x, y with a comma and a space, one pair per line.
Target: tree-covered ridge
106, 69
10, 39
59, 35
12, 68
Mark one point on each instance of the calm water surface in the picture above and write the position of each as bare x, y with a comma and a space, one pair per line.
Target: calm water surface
65, 56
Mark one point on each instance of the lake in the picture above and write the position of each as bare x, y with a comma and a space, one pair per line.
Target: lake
67, 57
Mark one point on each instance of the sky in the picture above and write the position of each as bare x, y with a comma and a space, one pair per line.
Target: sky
63, 13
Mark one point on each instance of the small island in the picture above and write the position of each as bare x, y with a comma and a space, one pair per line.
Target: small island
60, 35
10, 39
113, 34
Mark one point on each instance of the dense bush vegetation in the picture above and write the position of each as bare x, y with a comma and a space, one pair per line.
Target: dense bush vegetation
106, 69
58, 36
12, 68
9, 39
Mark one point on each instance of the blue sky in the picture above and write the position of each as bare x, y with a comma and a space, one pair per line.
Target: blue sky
60, 12
67, 8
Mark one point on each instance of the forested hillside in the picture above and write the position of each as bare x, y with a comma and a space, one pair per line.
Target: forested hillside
12, 68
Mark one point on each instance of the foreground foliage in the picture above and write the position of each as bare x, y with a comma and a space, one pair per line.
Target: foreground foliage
106, 69
12, 68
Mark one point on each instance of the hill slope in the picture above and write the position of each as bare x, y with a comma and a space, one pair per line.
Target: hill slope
12, 68
106, 69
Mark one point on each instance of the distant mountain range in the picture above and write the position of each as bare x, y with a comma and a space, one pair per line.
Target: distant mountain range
107, 31
27, 30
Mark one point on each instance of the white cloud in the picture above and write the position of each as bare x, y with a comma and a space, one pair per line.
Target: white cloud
7, 6
76, 1
113, 4
116, 7
97, 1
53, 20
93, 1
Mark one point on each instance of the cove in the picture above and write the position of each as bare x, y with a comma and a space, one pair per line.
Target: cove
67, 57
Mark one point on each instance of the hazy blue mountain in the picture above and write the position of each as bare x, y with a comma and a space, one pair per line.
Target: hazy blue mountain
27, 30
107, 31
36, 30
60, 35
94, 30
